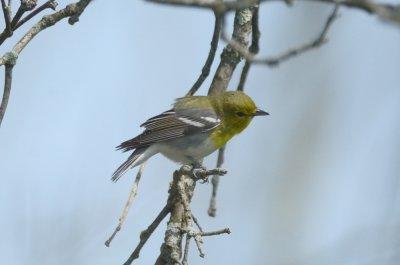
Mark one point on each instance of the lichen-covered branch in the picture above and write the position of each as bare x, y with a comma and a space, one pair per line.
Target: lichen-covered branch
254, 47
180, 195
181, 217
230, 56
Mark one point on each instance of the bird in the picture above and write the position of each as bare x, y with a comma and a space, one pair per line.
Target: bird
192, 129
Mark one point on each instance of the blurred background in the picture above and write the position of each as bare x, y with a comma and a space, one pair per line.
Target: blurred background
316, 182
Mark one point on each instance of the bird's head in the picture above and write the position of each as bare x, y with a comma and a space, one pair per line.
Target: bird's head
238, 109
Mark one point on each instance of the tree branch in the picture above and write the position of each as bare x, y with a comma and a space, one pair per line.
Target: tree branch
230, 57
7, 19
274, 61
71, 10
7, 89
26, 5
385, 11
212, 209
316, 43
49, 4
216, 5
128, 204
180, 195
181, 219
145, 234
210, 58
254, 47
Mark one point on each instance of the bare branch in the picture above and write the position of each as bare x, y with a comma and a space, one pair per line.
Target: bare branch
198, 238
145, 235
211, 55
216, 233
274, 61
216, 5
128, 204
7, 20
26, 5
316, 43
7, 89
199, 241
49, 4
212, 209
70, 10
48, 21
385, 11
197, 223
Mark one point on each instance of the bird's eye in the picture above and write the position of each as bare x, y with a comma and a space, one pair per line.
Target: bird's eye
240, 114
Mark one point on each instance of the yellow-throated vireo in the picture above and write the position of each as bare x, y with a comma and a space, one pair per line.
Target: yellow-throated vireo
195, 127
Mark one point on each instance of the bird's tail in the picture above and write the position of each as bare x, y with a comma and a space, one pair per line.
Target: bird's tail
136, 158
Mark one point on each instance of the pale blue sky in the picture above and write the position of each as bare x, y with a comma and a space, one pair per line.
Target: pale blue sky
316, 182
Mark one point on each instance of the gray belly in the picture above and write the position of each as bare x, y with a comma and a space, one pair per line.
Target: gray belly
188, 149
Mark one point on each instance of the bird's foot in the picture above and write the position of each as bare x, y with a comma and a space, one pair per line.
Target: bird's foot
201, 173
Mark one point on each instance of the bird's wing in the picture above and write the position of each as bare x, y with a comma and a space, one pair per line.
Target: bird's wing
172, 124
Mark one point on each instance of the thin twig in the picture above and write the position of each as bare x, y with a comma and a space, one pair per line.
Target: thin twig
212, 209
211, 55
7, 89
49, 4
198, 238
145, 234
275, 61
316, 43
197, 223
199, 241
128, 204
220, 6
254, 47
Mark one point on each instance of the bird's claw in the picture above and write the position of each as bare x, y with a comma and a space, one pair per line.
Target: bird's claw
199, 173
203, 174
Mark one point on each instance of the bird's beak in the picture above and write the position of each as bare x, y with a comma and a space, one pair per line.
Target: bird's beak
260, 112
